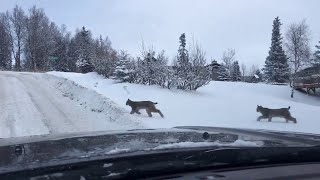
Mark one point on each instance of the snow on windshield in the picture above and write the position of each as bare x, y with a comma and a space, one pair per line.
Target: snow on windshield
237, 143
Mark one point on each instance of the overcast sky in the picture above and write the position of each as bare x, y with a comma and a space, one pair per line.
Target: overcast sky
244, 25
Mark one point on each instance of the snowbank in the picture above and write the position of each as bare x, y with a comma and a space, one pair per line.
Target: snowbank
221, 104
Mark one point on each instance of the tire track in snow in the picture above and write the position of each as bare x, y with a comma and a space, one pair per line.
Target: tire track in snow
37, 103
52, 116
18, 114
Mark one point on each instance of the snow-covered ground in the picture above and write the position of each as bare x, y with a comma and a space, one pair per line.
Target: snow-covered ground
37, 103
221, 104
56, 102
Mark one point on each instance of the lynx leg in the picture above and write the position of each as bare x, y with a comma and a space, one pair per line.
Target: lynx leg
269, 119
293, 119
149, 112
260, 117
158, 111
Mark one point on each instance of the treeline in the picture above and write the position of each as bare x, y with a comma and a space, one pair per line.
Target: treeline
35, 43
29, 41
188, 72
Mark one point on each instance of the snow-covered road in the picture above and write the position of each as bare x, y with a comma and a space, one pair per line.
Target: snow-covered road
36, 103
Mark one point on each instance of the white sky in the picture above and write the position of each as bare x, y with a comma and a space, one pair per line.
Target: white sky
244, 25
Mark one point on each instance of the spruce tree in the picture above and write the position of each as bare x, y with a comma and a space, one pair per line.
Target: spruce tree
236, 74
316, 54
276, 68
183, 57
121, 71
85, 54
258, 73
223, 74
183, 70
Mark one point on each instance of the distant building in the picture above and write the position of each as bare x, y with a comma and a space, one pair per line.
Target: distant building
251, 79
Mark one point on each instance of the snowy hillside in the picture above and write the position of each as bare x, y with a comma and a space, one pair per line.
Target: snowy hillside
222, 104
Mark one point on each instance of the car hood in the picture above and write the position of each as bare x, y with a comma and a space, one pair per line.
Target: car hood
50, 150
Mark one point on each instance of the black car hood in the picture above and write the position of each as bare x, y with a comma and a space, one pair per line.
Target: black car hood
49, 150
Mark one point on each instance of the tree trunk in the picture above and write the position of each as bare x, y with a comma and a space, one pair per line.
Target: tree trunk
292, 85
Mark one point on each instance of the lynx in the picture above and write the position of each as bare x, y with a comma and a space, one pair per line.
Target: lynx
270, 113
147, 105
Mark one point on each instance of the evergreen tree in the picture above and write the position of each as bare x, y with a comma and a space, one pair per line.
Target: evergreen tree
106, 57
58, 58
85, 54
223, 74
257, 77
316, 54
183, 69
122, 71
258, 73
183, 57
72, 55
161, 69
276, 67
152, 68
236, 74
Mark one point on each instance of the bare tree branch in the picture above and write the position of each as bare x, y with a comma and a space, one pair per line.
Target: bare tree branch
243, 70
298, 47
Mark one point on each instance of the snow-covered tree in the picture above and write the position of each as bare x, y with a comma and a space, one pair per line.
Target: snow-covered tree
122, 70
183, 68
183, 56
316, 55
190, 70
133, 71
85, 54
161, 69
199, 74
171, 77
105, 57
223, 74
72, 55
259, 74
146, 67
276, 68
58, 59
236, 74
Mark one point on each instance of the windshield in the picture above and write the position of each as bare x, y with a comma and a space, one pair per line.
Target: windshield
86, 66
